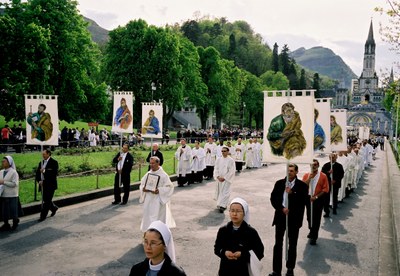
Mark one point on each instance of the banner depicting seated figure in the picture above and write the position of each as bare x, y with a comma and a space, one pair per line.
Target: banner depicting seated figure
322, 129
152, 117
338, 123
363, 133
288, 126
41, 113
122, 112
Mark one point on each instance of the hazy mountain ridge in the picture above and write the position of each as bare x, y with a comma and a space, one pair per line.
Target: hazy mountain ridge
325, 62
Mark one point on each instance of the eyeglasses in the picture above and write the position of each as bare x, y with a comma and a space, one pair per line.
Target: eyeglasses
151, 244
224, 151
235, 211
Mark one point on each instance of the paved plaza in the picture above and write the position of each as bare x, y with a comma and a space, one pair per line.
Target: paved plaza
96, 238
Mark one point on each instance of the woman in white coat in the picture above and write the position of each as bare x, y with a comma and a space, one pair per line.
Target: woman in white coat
9, 186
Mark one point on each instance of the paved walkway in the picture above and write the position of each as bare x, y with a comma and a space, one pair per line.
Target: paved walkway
95, 238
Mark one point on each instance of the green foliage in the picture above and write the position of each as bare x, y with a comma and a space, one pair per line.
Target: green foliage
316, 84
274, 81
49, 51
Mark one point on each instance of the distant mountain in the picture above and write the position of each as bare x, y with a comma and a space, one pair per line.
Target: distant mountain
99, 34
325, 62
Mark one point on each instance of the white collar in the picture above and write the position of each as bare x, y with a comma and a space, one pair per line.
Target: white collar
156, 267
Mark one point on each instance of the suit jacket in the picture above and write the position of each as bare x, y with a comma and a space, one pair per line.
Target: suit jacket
297, 202
158, 154
337, 174
50, 174
127, 166
167, 269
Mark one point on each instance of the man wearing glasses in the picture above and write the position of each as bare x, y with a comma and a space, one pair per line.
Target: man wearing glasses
224, 173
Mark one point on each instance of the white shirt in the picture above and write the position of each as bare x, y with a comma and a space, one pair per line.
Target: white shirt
121, 162
286, 195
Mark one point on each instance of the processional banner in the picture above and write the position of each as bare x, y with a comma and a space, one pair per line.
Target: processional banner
122, 112
152, 118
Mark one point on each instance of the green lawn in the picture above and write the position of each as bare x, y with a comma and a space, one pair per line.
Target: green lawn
77, 184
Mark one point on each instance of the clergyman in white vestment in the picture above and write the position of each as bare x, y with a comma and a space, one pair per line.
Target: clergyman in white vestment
184, 156
156, 190
224, 172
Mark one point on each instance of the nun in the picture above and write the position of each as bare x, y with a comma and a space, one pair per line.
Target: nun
238, 244
9, 182
159, 248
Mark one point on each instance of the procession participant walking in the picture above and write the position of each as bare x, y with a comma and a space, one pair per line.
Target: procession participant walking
46, 176
183, 155
123, 164
224, 173
155, 151
9, 188
211, 150
334, 171
288, 198
318, 189
159, 248
198, 164
237, 242
156, 190
239, 154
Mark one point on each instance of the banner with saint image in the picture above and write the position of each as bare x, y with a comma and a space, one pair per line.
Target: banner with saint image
122, 112
152, 118
41, 113
338, 123
363, 132
288, 126
322, 129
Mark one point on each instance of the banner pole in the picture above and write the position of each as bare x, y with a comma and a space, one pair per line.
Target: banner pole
287, 215
120, 147
41, 188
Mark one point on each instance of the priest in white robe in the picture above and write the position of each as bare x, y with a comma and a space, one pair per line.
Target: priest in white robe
224, 172
250, 150
198, 163
211, 151
184, 156
257, 153
156, 190
238, 156
343, 160
219, 149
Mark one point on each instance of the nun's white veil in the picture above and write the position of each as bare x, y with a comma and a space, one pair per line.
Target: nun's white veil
11, 162
167, 237
245, 206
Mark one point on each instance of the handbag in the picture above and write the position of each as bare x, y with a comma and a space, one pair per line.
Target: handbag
255, 266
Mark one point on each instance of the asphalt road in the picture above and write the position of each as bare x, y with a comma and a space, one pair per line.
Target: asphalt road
96, 238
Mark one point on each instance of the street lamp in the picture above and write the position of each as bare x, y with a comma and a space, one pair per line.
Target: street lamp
244, 106
153, 89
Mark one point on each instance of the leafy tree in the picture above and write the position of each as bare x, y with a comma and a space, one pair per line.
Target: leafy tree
302, 80
253, 98
274, 81
293, 80
191, 30
275, 58
391, 32
285, 60
316, 84
232, 47
51, 41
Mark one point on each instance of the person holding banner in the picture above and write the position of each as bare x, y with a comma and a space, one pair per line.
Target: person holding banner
318, 189
155, 152
156, 190
288, 198
46, 176
123, 165
183, 155
335, 174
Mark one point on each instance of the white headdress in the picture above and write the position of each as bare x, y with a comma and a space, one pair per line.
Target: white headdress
167, 237
11, 162
245, 207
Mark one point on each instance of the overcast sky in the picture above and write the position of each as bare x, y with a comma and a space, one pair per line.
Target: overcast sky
341, 25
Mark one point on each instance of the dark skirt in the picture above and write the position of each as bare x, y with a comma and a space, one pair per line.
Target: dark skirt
9, 208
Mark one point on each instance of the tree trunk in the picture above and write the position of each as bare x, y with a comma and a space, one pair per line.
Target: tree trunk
250, 119
203, 114
218, 115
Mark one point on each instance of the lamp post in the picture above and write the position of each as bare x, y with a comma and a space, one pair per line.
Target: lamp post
153, 89
244, 106
397, 121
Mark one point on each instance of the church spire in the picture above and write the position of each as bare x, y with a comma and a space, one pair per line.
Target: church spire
391, 77
370, 39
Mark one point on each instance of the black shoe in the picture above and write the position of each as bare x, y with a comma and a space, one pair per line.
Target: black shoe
274, 274
41, 219
15, 224
123, 203
309, 236
180, 185
53, 213
334, 212
326, 216
290, 272
313, 242
115, 202
5, 227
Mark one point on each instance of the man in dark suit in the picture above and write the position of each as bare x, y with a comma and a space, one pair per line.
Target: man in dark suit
46, 175
155, 152
335, 174
123, 164
288, 199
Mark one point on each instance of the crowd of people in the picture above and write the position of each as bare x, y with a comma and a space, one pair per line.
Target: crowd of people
237, 244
